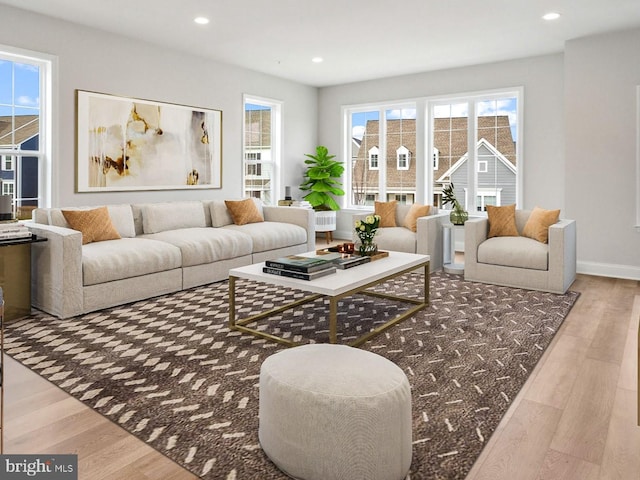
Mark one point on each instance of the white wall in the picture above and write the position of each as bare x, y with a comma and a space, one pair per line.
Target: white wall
601, 76
542, 80
97, 61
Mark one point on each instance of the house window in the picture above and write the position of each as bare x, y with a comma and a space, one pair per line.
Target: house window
483, 166
373, 158
262, 147
402, 156
436, 158
25, 142
8, 188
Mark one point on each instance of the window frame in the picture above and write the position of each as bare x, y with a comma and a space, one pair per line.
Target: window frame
275, 162
48, 185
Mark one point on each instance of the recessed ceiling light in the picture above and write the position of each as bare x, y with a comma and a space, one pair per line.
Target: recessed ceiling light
201, 20
551, 16
317, 59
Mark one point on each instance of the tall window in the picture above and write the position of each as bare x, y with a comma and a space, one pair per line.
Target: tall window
25, 126
381, 141
472, 141
262, 127
476, 137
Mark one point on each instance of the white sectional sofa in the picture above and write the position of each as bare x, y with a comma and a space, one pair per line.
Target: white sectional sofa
165, 247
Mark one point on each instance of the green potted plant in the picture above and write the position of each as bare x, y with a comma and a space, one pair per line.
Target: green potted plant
321, 180
458, 214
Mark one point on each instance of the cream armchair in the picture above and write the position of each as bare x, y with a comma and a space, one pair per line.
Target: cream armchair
426, 240
520, 261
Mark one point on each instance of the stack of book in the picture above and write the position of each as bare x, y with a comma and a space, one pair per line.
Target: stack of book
304, 268
13, 230
348, 260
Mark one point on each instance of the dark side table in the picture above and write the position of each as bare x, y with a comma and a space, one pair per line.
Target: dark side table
15, 275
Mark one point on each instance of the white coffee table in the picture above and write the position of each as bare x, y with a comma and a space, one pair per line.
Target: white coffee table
336, 286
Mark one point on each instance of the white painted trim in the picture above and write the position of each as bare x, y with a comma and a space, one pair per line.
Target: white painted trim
608, 270
637, 226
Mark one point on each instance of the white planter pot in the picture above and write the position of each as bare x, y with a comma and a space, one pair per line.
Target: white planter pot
325, 221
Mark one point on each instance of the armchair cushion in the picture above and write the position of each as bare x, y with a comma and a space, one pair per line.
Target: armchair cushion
537, 227
520, 252
95, 225
387, 212
416, 211
502, 221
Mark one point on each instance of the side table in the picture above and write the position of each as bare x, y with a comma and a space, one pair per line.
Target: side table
15, 275
449, 249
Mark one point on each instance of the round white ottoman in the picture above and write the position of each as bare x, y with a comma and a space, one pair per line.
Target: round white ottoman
335, 412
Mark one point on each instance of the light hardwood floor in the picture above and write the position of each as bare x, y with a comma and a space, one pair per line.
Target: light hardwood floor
575, 418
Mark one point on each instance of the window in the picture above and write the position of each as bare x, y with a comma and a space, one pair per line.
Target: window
373, 158
379, 144
478, 150
472, 140
402, 155
25, 127
262, 140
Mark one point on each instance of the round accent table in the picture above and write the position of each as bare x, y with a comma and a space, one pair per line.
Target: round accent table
332, 411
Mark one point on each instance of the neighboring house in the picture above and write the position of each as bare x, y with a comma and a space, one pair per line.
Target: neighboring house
19, 174
450, 153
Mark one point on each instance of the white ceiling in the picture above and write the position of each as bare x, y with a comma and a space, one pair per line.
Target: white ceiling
358, 39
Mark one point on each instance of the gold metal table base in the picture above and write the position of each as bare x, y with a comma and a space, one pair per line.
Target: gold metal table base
241, 325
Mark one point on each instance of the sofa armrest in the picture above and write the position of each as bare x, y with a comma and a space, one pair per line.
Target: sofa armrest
56, 270
562, 253
429, 238
303, 217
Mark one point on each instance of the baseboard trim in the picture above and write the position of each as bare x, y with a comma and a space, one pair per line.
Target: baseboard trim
608, 270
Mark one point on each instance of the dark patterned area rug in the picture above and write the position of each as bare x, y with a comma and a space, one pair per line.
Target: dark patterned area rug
169, 370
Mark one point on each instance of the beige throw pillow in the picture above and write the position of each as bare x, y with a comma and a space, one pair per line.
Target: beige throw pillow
387, 212
502, 221
243, 211
95, 225
537, 226
416, 211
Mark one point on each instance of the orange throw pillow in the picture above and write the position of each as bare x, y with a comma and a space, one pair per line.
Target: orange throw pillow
537, 226
502, 221
416, 211
243, 211
95, 225
387, 212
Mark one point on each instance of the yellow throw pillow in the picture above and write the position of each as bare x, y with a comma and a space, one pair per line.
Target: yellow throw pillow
243, 211
95, 225
416, 211
387, 212
537, 226
502, 221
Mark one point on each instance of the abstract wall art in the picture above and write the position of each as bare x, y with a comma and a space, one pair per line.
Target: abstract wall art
133, 144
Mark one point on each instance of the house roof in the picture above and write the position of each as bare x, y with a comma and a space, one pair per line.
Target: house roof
26, 127
450, 139
482, 142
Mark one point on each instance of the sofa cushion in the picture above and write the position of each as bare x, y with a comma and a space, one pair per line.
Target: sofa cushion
502, 221
129, 257
121, 217
387, 212
95, 224
416, 211
537, 227
160, 217
267, 236
243, 211
199, 246
521, 252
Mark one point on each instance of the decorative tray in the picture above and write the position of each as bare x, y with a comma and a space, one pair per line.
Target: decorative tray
347, 249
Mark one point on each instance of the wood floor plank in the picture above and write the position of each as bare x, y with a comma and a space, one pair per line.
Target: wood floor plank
583, 428
557, 465
621, 458
523, 444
